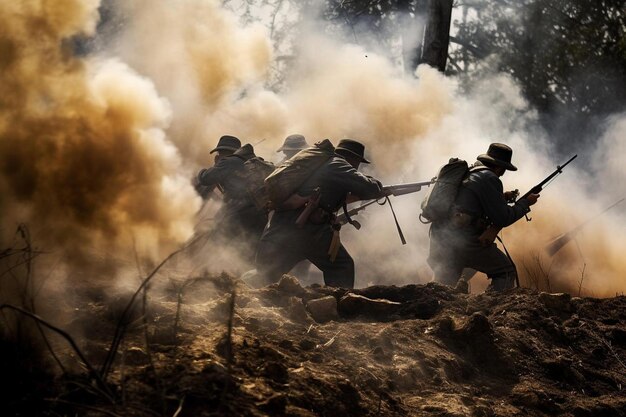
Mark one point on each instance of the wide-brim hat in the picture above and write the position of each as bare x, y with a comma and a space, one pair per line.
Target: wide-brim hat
294, 143
352, 147
227, 143
500, 155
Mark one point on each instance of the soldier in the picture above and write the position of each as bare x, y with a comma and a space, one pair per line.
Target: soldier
239, 220
456, 243
226, 146
292, 145
284, 243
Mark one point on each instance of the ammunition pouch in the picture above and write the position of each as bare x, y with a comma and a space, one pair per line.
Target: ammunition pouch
459, 220
320, 216
462, 220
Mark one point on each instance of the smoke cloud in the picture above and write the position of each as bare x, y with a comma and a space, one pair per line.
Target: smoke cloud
84, 156
98, 151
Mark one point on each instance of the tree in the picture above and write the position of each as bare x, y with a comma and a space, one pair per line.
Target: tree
568, 56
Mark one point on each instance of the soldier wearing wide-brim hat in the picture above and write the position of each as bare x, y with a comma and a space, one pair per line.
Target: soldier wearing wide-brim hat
455, 243
498, 155
239, 219
284, 243
350, 148
292, 145
226, 145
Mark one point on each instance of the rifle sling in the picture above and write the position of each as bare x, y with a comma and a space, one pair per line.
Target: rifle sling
402, 239
510, 260
347, 216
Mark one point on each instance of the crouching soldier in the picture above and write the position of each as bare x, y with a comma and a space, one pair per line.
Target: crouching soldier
459, 242
239, 221
297, 231
291, 146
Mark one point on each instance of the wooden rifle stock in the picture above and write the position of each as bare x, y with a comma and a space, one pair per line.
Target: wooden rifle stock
312, 204
342, 218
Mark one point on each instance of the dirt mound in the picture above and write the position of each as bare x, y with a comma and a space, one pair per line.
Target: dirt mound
215, 347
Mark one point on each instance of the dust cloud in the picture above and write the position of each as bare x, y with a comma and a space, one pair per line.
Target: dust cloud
98, 151
85, 160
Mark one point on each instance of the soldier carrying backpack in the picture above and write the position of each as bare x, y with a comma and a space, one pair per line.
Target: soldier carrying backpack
240, 175
306, 191
462, 204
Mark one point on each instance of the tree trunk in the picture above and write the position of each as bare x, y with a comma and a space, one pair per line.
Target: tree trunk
437, 34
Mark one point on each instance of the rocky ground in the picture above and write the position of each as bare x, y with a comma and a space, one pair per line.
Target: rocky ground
417, 350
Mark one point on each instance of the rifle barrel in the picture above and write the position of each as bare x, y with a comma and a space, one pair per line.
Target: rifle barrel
408, 188
560, 241
539, 187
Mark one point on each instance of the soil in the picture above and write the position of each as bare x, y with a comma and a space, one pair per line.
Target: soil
416, 350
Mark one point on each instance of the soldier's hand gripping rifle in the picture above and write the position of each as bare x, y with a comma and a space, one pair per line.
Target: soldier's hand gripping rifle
490, 234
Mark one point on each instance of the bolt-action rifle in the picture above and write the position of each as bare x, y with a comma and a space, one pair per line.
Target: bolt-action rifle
557, 243
407, 188
395, 190
490, 234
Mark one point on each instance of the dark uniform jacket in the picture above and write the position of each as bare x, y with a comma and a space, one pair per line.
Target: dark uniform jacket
229, 174
482, 197
336, 178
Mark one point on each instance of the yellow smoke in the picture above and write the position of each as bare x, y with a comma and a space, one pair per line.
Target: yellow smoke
84, 158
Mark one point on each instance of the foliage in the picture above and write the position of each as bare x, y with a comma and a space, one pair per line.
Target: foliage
568, 56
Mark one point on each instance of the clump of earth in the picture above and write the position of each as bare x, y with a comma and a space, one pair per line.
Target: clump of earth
213, 346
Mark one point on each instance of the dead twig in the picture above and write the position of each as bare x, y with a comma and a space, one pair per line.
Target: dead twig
582, 278
30, 292
229, 334
180, 407
92, 371
84, 406
180, 290
144, 318
123, 321
608, 345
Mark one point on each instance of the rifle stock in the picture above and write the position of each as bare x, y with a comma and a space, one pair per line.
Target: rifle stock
492, 231
343, 219
311, 205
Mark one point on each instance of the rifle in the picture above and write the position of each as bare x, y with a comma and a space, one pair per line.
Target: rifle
343, 217
490, 234
557, 243
537, 188
408, 188
395, 190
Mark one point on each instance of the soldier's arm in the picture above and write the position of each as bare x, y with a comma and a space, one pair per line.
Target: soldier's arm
216, 174
360, 186
495, 206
